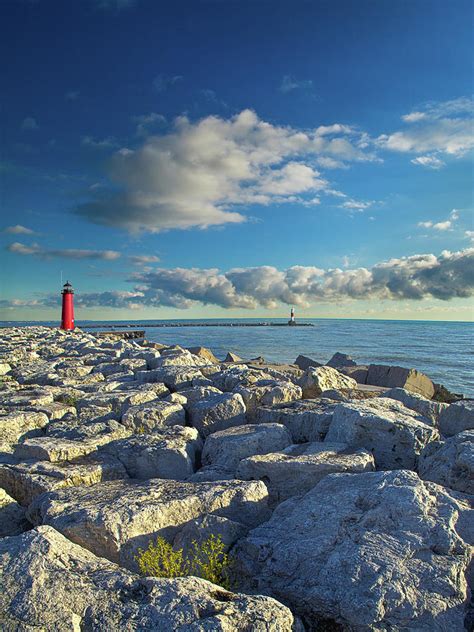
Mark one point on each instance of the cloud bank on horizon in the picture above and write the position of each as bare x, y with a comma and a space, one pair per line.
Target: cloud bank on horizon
447, 276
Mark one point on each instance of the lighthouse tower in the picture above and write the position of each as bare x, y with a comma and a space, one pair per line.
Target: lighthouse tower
67, 318
292, 320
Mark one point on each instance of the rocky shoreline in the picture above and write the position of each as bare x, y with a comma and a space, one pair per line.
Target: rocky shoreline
343, 493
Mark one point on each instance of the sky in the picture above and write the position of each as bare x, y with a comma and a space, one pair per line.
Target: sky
212, 158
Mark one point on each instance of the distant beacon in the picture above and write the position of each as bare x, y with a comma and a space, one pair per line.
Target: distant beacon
67, 317
292, 320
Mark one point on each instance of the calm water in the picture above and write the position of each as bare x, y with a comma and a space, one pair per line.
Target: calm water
442, 350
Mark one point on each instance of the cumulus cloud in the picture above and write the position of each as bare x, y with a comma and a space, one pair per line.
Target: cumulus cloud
18, 229
106, 143
289, 84
69, 253
29, 124
443, 225
147, 122
439, 128
143, 259
202, 174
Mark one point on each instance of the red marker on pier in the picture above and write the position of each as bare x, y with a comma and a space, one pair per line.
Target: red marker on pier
67, 318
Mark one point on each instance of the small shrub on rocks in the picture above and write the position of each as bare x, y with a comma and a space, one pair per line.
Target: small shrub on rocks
207, 560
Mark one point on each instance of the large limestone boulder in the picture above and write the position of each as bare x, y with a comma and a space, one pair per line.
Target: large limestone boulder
298, 468
173, 377
393, 433
341, 359
307, 419
429, 409
50, 583
397, 376
304, 362
203, 528
154, 415
26, 480
227, 447
450, 463
315, 381
457, 417
117, 518
217, 412
204, 353
12, 516
358, 373
267, 393
17, 425
168, 453
372, 551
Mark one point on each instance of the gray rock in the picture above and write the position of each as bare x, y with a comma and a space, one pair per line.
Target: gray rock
117, 518
18, 425
303, 362
341, 360
12, 517
227, 447
168, 453
397, 376
372, 551
24, 481
217, 412
317, 380
232, 357
204, 353
393, 433
210, 473
358, 373
307, 420
202, 528
49, 583
298, 468
429, 409
154, 415
457, 417
174, 377
450, 463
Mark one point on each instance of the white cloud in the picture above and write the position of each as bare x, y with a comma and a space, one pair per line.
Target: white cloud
469, 234
18, 229
142, 259
29, 124
68, 253
289, 83
428, 161
447, 224
202, 174
444, 127
356, 205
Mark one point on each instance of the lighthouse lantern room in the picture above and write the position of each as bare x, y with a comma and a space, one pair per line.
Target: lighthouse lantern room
67, 318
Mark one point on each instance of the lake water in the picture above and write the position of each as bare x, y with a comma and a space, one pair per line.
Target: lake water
442, 350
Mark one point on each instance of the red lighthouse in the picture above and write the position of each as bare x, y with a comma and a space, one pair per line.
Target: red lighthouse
67, 318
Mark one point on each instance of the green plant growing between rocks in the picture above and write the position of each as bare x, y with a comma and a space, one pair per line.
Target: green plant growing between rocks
207, 560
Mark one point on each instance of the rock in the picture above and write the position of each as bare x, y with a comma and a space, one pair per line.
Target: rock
232, 357
174, 377
457, 417
429, 409
52, 584
227, 447
393, 433
26, 397
303, 362
341, 360
397, 376
4, 368
307, 420
371, 551
25, 481
199, 392
358, 373
217, 412
202, 528
238, 376
18, 425
169, 453
298, 468
117, 518
154, 415
322, 378
450, 463
210, 473
444, 396
362, 391
267, 393
12, 517
205, 354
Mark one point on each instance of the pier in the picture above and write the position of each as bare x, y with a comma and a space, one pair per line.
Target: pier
197, 324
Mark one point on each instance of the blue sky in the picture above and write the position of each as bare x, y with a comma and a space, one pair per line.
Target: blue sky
210, 158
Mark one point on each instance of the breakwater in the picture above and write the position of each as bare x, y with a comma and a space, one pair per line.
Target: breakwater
198, 324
